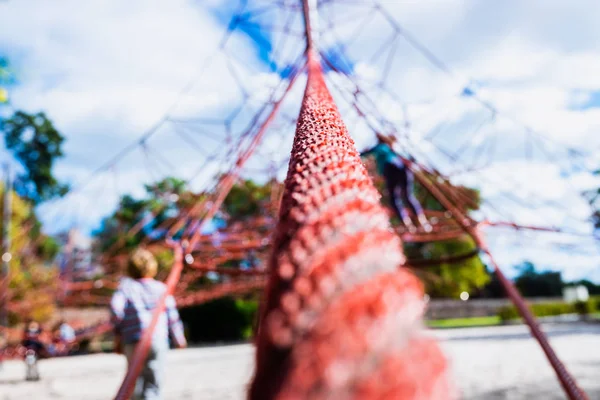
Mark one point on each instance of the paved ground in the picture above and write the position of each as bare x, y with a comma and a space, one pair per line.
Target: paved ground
488, 363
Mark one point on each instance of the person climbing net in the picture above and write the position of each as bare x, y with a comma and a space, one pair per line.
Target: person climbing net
398, 178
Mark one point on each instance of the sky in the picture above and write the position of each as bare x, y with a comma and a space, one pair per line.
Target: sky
106, 72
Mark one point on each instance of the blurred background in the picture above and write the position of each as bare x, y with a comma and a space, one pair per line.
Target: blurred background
124, 123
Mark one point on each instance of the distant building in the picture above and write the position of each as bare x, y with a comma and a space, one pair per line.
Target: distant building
574, 294
75, 259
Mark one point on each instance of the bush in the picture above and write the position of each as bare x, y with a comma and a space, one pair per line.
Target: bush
585, 307
508, 313
225, 319
539, 310
552, 309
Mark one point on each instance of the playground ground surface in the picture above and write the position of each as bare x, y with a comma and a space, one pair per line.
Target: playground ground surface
491, 363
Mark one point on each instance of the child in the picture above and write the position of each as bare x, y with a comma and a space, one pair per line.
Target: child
32, 338
34, 349
397, 177
132, 306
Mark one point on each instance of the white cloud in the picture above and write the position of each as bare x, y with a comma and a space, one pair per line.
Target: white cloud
511, 59
107, 71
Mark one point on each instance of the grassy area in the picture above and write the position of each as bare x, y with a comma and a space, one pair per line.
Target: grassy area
464, 322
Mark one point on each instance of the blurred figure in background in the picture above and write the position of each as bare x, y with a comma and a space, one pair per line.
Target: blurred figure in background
66, 332
34, 349
32, 337
63, 338
132, 306
398, 177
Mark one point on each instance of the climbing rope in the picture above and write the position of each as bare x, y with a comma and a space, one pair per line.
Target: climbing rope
451, 200
340, 319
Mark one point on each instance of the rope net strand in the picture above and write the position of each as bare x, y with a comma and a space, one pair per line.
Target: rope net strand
569, 384
225, 185
340, 319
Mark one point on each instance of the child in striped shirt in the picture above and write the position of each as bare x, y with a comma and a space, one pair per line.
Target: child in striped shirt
132, 306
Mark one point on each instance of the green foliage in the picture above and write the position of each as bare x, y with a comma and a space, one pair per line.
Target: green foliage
36, 144
469, 198
248, 199
169, 185
585, 307
451, 279
48, 248
494, 288
508, 313
165, 259
32, 280
551, 309
225, 319
249, 308
163, 200
532, 283
464, 322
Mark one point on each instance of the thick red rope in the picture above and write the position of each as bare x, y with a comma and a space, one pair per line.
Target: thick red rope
572, 390
341, 319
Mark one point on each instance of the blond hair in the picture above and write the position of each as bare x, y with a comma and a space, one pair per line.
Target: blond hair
387, 139
142, 264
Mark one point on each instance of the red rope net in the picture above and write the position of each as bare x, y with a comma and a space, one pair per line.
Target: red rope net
340, 320
335, 283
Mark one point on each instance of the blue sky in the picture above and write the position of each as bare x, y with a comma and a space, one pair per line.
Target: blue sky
591, 101
105, 72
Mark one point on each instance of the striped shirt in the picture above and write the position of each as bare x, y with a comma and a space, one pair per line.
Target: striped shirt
131, 312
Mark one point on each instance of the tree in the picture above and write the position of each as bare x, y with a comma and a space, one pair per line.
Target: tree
451, 279
532, 283
163, 200
226, 319
166, 200
593, 289
250, 199
493, 289
36, 144
32, 281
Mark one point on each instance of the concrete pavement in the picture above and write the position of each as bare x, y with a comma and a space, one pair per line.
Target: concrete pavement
487, 363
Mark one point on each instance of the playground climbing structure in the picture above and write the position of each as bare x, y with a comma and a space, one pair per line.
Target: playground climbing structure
341, 316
